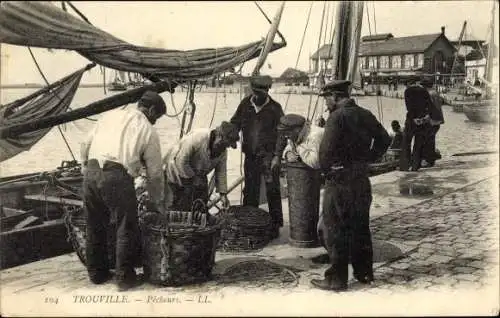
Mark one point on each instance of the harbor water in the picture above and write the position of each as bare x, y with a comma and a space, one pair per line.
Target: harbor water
457, 135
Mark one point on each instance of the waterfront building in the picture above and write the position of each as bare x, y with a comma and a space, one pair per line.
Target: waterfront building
385, 59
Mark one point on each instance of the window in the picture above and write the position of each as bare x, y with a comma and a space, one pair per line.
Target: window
384, 62
420, 60
363, 62
396, 61
408, 61
372, 62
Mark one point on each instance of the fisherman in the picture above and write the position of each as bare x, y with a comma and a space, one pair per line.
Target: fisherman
397, 135
122, 141
418, 103
257, 116
430, 153
188, 163
344, 154
304, 140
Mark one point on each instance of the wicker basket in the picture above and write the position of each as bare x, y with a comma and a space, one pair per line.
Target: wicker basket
179, 247
76, 225
245, 228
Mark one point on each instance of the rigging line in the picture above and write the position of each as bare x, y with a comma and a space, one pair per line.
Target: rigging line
216, 92
55, 94
379, 106
79, 12
326, 21
374, 18
319, 56
300, 50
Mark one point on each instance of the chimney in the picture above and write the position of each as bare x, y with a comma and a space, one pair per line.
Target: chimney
442, 29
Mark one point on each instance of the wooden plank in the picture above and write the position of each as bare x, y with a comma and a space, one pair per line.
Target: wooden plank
53, 199
29, 221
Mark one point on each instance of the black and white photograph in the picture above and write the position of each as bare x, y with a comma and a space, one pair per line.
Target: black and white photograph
249, 158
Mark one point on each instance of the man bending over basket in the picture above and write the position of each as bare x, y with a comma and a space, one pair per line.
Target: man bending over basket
122, 142
188, 163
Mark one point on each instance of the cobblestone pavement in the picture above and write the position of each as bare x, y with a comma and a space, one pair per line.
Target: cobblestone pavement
453, 240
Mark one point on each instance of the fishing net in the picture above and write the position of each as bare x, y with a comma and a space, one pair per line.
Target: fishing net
258, 273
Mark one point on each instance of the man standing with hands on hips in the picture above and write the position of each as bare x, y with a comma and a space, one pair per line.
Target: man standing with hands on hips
258, 116
345, 152
122, 142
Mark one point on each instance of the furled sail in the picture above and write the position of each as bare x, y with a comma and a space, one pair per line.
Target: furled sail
49, 101
42, 24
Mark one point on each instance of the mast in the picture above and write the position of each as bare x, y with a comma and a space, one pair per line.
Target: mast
346, 41
269, 39
489, 63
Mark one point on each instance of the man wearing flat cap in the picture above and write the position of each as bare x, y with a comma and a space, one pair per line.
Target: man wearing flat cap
304, 140
353, 138
257, 116
188, 163
418, 105
122, 142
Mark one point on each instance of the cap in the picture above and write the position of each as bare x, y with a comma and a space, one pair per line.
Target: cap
229, 132
291, 121
151, 98
336, 86
261, 82
426, 82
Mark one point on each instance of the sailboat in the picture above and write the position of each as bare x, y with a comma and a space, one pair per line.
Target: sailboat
486, 110
34, 206
118, 83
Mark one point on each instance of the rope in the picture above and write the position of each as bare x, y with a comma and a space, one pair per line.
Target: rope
55, 94
374, 18
216, 92
78, 12
300, 51
319, 65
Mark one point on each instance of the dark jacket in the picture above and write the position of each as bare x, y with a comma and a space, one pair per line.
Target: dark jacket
348, 136
436, 111
418, 102
259, 130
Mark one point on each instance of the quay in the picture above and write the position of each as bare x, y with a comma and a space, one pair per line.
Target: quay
436, 243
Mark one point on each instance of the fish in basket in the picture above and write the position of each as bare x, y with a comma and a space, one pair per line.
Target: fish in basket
179, 246
245, 228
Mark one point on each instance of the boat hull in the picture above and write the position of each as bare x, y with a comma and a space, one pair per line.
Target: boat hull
32, 226
481, 114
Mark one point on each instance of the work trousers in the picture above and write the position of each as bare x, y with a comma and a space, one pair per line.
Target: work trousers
430, 154
346, 226
185, 195
109, 197
418, 134
254, 167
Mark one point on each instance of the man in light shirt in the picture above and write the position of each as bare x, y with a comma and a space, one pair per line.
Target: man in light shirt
122, 142
188, 163
304, 139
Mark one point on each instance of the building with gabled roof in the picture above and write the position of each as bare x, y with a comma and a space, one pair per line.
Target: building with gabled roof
383, 56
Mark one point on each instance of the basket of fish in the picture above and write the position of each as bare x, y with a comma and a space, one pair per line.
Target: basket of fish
179, 246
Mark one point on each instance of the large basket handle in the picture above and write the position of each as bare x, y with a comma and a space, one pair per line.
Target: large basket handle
201, 207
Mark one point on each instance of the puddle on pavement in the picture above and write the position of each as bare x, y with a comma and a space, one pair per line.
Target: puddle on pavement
415, 190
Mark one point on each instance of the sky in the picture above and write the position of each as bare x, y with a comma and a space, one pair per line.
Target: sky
184, 25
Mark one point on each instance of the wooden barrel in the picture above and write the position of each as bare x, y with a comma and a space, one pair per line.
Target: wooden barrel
303, 203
